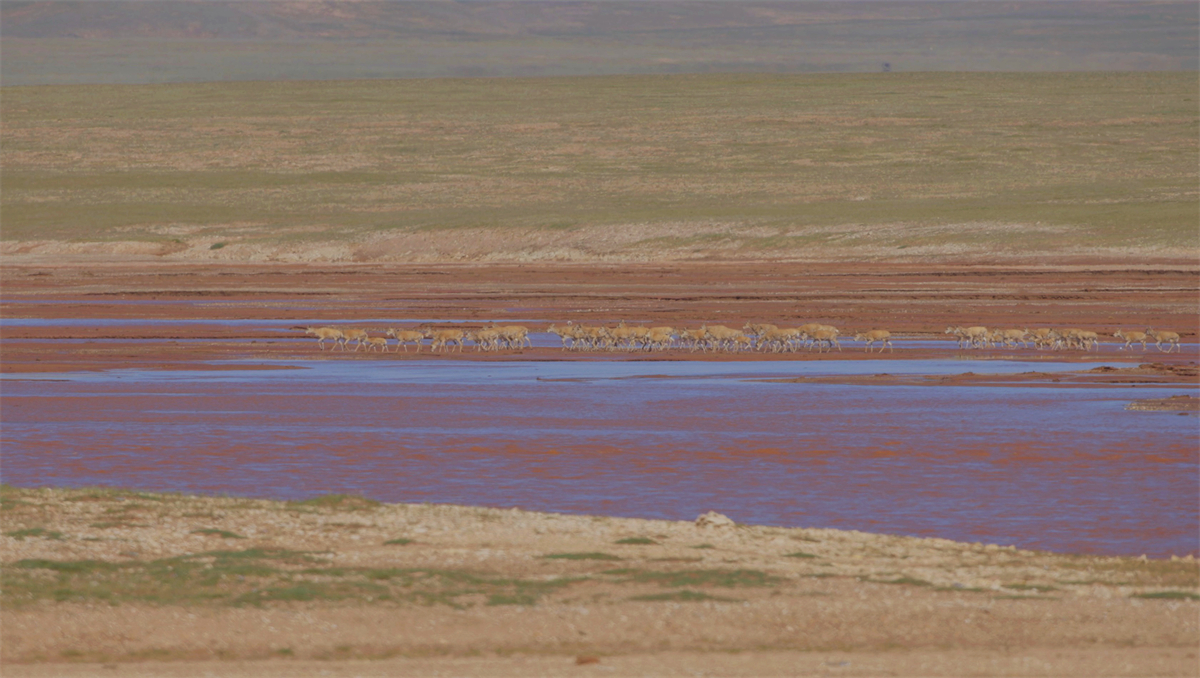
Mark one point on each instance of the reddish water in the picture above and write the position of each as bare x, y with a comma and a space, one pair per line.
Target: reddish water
1038, 467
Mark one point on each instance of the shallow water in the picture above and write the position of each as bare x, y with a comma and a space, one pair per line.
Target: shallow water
1034, 466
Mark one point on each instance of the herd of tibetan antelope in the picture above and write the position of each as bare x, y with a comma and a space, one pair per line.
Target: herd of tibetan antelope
752, 337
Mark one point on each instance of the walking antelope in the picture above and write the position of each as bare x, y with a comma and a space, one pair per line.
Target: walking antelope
568, 333
515, 336
1170, 338
825, 338
377, 343
723, 337
882, 336
1011, 338
975, 337
439, 338
694, 339
758, 330
402, 338
359, 336
1043, 337
1131, 337
660, 338
487, 339
323, 333
1077, 338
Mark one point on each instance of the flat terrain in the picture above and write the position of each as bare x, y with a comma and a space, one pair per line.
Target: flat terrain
932, 167
170, 582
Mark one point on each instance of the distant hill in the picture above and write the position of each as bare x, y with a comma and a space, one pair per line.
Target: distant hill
131, 41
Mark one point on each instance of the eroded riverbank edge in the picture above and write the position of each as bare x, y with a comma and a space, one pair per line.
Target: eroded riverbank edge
96, 577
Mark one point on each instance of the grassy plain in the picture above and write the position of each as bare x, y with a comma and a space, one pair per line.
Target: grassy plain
894, 165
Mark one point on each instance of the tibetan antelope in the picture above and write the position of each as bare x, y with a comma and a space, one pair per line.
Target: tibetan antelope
402, 338
1077, 338
1170, 338
323, 333
882, 336
825, 339
975, 336
1131, 337
569, 333
1011, 338
722, 337
487, 339
377, 343
359, 336
660, 338
516, 336
440, 338
1042, 337
693, 339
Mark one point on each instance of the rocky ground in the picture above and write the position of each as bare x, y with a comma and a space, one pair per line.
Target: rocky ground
106, 582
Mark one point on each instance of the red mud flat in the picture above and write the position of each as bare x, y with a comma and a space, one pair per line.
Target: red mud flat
912, 301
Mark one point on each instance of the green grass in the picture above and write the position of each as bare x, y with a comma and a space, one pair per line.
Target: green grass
993, 163
258, 577
968, 589
1168, 595
103, 494
1030, 587
716, 577
402, 541
515, 599
683, 596
636, 541
800, 554
908, 581
589, 555
41, 532
338, 502
224, 534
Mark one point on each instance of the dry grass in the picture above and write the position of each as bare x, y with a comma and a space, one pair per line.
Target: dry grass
668, 167
324, 583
